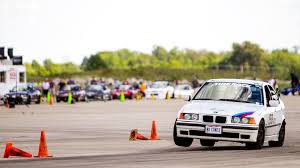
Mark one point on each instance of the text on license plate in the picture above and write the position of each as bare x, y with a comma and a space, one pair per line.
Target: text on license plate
213, 129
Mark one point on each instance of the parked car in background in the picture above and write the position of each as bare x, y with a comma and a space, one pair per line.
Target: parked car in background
77, 93
183, 90
160, 90
129, 92
22, 94
98, 92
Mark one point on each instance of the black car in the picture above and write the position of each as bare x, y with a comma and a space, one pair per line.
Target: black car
98, 92
77, 93
22, 94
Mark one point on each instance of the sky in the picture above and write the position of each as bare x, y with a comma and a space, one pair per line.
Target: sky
68, 30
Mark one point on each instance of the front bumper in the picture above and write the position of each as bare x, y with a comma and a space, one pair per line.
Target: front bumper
156, 95
234, 133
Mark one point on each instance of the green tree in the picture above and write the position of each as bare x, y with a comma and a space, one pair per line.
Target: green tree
245, 54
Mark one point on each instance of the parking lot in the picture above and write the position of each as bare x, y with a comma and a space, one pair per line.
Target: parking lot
95, 134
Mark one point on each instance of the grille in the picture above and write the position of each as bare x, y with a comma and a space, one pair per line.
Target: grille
208, 118
220, 119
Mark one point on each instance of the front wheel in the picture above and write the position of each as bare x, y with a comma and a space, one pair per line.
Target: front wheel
205, 142
38, 100
180, 141
260, 137
281, 136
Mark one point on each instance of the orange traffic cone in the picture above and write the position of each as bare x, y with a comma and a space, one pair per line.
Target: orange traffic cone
13, 151
153, 135
7, 150
51, 101
18, 152
43, 150
134, 135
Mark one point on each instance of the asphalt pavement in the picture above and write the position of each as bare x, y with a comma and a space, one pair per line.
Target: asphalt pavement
95, 134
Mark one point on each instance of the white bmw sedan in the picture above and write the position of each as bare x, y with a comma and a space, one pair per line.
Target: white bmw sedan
236, 110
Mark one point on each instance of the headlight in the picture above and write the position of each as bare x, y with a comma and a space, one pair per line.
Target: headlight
236, 119
187, 116
195, 116
245, 120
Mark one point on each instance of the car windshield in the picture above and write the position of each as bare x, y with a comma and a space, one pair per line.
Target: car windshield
124, 87
159, 84
229, 91
75, 88
20, 88
182, 87
94, 87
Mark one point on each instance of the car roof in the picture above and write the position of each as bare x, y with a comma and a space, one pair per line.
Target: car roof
247, 81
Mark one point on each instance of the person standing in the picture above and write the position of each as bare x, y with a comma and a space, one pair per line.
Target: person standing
52, 86
45, 87
294, 83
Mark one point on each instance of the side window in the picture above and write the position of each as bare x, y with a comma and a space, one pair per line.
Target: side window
271, 89
21, 77
2, 77
273, 93
268, 95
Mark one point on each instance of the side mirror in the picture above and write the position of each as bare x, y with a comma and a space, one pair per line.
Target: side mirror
187, 98
273, 103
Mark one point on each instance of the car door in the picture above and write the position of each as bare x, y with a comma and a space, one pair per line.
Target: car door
269, 115
278, 114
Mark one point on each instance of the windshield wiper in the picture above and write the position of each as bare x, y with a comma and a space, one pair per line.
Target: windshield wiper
234, 100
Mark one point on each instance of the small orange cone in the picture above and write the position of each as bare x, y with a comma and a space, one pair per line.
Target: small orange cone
134, 135
153, 135
7, 150
43, 150
18, 152
51, 101
13, 151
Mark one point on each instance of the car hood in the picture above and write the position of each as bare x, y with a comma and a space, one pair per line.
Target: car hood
220, 107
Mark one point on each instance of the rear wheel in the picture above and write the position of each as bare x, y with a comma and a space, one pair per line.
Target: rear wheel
281, 136
180, 141
205, 142
260, 137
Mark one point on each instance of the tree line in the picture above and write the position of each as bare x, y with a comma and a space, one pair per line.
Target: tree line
243, 57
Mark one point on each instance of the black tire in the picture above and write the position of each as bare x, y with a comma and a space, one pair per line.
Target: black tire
281, 137
205, 142
28, 100
260, 137
58, 99
180, 141
38, 101
65, 100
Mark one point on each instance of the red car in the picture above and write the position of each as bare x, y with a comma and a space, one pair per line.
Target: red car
129, 92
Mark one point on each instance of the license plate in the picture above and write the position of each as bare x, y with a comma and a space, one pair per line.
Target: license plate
213, 129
